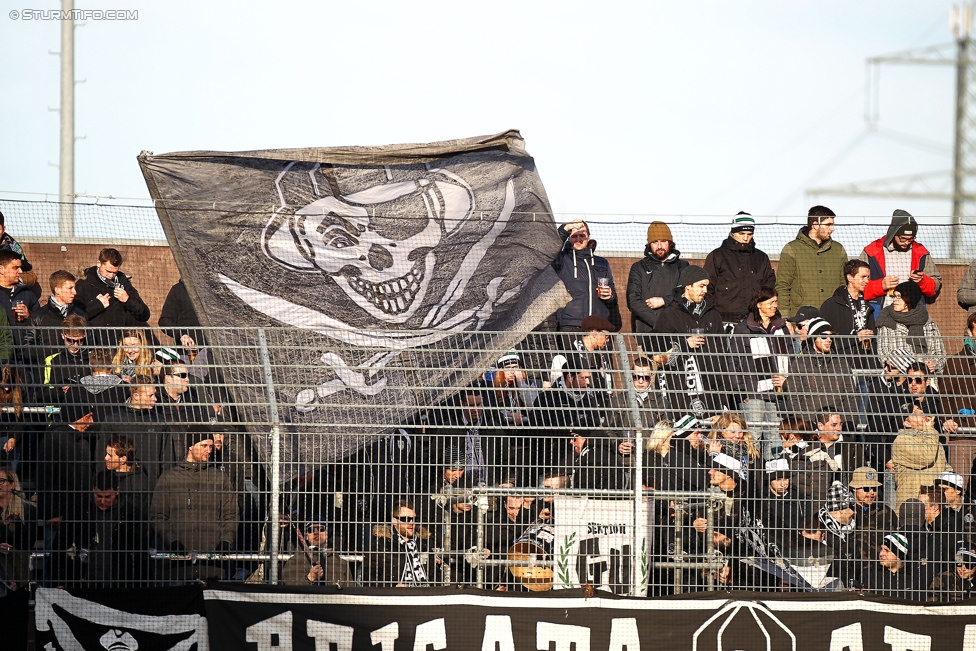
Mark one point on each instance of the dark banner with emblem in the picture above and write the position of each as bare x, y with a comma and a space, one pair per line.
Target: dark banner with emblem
388, 258
266, 619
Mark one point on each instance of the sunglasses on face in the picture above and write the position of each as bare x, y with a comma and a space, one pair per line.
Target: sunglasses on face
870, 490
73, 340
641, 378
916, 380
182, 375
315, 528
405, 518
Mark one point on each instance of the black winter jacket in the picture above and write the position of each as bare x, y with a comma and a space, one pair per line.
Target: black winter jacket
737, 270
648, 278
133, 312
579, 271
697, 377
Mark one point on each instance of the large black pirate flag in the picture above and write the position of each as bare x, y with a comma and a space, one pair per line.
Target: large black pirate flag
408, 268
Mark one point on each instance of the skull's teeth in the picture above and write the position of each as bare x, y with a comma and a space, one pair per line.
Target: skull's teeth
394, 296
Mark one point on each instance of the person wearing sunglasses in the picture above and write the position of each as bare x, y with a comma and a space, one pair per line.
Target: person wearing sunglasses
821, 378
314, 562
63, 369
874, 518
920, 388
958, 583
621, 418
399, 556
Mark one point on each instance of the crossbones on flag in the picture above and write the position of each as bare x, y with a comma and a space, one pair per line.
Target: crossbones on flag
408, 269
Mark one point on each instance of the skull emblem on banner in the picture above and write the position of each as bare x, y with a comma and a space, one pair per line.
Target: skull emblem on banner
377, 244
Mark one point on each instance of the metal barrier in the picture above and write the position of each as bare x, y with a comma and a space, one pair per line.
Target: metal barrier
327, 440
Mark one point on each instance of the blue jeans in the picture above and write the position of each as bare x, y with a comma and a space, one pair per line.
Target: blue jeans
764, 437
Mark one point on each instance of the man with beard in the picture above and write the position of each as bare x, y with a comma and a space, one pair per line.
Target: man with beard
897, 257
889, 575
849, 314
194, 508
737, 269
587, 278
314, 563
810, 267
399, 556
652, 280
691, 326
873, 517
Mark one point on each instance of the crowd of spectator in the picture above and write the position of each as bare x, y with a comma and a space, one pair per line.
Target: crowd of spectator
818, 401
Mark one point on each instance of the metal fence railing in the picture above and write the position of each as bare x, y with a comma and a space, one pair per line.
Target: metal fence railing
631, 463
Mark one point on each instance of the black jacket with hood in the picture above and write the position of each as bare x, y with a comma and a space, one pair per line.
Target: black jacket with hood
648, 278
579, 271
737, 270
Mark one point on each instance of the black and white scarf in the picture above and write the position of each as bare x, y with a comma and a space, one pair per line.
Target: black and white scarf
859, 308
694, 309
111, 283
414, 573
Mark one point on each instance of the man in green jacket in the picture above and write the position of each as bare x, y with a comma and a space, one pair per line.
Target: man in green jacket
811, 267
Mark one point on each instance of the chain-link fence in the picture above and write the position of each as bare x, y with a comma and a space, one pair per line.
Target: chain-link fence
638, 464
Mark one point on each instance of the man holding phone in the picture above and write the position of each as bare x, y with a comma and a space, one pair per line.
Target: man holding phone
898, 257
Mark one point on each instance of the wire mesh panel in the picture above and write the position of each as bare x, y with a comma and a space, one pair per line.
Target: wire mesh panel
637, 464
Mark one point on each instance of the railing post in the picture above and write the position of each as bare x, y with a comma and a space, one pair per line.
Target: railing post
638, 462
275, 502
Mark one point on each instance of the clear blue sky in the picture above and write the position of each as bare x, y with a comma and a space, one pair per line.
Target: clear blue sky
666, 108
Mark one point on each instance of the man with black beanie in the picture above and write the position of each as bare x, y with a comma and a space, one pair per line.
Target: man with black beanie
737, 269
194, 507
692, 328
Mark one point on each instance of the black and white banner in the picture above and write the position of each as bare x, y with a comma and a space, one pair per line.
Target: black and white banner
267, 619
594, 544
384, 255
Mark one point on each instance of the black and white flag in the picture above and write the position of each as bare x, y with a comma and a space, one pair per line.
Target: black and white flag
389, 258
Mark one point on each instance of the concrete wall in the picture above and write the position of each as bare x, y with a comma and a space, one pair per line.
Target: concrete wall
153, 272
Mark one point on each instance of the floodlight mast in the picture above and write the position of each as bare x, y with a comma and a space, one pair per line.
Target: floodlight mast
932, 185
66, 166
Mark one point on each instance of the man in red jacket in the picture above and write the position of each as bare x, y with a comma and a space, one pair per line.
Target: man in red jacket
897, 257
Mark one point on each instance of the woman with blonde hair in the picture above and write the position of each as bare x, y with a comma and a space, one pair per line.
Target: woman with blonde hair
730, 436
18, 531
134, 356
659, 464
